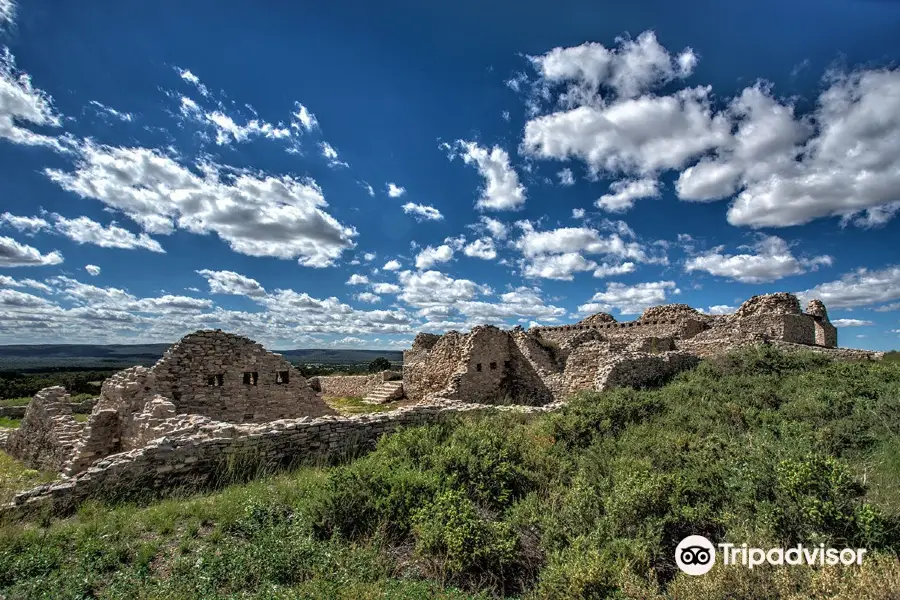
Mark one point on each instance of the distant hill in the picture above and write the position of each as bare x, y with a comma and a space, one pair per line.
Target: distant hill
33, 357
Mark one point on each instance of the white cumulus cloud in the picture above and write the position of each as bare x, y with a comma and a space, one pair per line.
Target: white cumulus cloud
394, 190
501, 190
422, 212
429, 256
229, 282
629, 300
771, 261
255, 214
624, 193
15, 254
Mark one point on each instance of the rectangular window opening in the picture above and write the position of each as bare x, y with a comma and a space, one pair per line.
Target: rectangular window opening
282, 377
478, 367
250, 377
493, 366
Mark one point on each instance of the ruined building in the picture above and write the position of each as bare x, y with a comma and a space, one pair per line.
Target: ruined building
545, 364
209, 376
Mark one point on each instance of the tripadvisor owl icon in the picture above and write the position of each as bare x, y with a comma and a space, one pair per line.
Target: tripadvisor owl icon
695, 555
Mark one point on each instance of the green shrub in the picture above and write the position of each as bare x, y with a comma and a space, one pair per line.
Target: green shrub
463, 539
371, 496
818, 498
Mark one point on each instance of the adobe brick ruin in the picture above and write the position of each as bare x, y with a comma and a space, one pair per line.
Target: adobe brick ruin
214, 394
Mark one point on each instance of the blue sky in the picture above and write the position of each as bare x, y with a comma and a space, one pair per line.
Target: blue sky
346, 174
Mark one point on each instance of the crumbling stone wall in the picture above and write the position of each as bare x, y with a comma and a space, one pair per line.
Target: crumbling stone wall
641, 369
48, 434
583, 365
549, 362
199, 457
486, 365
18, 412
596, 319
207, 375
537, 377
431, 363
825, 332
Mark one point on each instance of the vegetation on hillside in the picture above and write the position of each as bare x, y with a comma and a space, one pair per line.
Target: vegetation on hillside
589, 502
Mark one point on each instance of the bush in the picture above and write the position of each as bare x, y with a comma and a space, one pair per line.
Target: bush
379, 364
372, 496
818, 498
463, 539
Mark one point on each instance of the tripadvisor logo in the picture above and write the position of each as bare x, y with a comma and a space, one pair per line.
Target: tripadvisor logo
696, 555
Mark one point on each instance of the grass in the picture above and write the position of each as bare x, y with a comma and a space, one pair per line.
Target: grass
588, 502
16, 401
81, 417
15, 476
354, 405
25, 400
10, 423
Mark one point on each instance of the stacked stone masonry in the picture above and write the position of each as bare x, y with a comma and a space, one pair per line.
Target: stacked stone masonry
347, 386
207, 376
214, 396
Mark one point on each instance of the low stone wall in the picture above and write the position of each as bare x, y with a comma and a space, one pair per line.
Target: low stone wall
198, 460
344, 386
18, 412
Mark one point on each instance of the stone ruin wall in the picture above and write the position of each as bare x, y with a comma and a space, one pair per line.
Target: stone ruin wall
17, 412
202, 378
431, 363
48, 434
765, 317
485, 365
346, 386
232, 378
